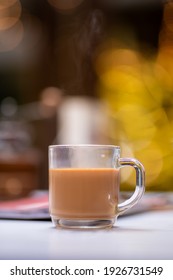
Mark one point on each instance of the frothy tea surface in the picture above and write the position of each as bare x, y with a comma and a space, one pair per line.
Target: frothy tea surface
83, 193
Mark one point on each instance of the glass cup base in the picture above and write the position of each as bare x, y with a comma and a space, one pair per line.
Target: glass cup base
83, 224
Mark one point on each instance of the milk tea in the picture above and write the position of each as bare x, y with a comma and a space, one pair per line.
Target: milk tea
77, 193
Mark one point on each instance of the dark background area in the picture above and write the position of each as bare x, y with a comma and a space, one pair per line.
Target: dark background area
67, 42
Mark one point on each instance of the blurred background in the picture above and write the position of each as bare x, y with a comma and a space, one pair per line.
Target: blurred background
85, 71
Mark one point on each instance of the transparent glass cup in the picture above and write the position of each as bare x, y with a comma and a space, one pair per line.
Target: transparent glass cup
84, 185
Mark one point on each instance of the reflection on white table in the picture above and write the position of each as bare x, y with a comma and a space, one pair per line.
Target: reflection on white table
143, 236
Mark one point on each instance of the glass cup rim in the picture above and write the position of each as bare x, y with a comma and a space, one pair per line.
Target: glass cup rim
106, 146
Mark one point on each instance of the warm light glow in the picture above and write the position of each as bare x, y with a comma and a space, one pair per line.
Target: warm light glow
139, 97
143, 128
51, 96
9, 15
111, 58
138, 92
50, 100
4, 4
152, 158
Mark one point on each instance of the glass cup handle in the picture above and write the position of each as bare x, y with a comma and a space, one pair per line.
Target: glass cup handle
140, 184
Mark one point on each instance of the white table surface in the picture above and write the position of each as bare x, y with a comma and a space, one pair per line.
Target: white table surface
144, 236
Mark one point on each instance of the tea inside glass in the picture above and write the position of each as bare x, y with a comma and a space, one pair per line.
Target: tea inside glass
84, 185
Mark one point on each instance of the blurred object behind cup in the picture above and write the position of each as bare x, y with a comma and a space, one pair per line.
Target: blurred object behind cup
19, 161
81, 120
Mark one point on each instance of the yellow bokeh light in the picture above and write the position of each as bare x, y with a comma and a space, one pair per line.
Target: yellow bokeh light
136, 123
138, 92
152, 158
110, 58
